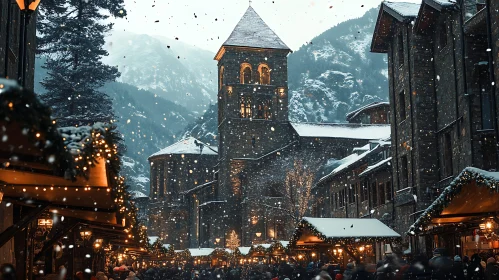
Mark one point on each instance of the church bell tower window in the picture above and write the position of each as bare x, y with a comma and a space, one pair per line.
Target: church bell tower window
245, 73
245, 107
264, 72
221, 78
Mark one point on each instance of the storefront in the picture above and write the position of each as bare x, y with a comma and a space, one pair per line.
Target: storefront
464, 218
342, 240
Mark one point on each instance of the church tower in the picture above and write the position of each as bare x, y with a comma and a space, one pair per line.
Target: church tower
252, 103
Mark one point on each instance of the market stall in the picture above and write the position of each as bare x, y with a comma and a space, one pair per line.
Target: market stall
464, 217
341, 239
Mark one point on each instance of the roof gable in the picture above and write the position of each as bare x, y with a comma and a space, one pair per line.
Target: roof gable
189, 145
251, 31
367, 107
388, 13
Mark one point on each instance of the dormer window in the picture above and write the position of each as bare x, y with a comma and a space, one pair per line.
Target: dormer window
245, 73
264, 72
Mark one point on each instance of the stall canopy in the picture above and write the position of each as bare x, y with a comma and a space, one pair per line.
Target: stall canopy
468, 199
315, 231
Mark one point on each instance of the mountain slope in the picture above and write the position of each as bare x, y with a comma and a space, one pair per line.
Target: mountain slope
336, 73
171, 69
147, 123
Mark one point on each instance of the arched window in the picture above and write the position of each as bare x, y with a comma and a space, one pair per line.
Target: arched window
264, 72
221, 78
245, 73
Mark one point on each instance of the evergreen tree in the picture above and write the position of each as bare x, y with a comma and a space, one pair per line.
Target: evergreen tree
71, 37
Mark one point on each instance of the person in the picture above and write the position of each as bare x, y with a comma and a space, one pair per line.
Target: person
131, 276
347, 274
419, 269
7, 272
323, 275
492, 269
475, 270
441, 265
389, 268
79, 275
360, 273
458, 268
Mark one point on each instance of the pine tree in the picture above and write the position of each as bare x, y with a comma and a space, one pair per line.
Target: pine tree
71, 37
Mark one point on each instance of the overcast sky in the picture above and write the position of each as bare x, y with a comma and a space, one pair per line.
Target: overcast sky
294, 21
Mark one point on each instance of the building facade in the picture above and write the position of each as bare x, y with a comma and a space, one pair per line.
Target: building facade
10, 43
442, 95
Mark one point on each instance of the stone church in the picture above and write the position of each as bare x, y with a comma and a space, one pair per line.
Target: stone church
199, 194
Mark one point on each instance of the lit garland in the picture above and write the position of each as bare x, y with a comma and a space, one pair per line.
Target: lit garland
72, 151
467, 176
305, 225
23, 108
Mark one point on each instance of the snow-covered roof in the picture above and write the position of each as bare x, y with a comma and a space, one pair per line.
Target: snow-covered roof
348, 131
350, 161
189, 145
266, 246
201, 252
284, 243
152, 239
252, 31
199, 187
211, 202
137, 194
373, 105
404, 9
350, 227
445, 3
77, 138
244, 250
364, 148
166, 246
375, 166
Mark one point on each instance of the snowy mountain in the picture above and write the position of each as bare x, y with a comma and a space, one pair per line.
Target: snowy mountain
336, 73
205, 128
147, 123
171, 69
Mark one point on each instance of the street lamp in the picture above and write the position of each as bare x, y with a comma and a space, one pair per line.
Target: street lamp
217, 240
27, 7
258, 234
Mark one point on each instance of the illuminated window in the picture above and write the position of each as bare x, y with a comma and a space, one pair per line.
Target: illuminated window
264, 110
245, 107
264, 72
245, 73
221, 78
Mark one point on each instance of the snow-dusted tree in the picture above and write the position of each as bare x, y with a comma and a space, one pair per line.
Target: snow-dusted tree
286, 198
298, 191
233, 241
71, 37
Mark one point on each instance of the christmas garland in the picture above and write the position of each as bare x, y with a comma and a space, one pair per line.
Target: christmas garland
468, 175
23, 107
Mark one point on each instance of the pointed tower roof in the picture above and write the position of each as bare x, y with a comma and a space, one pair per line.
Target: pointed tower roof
252, 31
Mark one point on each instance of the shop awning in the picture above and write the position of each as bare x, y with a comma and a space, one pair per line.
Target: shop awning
315, 231
470, 197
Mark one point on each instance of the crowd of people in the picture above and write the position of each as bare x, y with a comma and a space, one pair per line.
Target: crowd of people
439, 267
